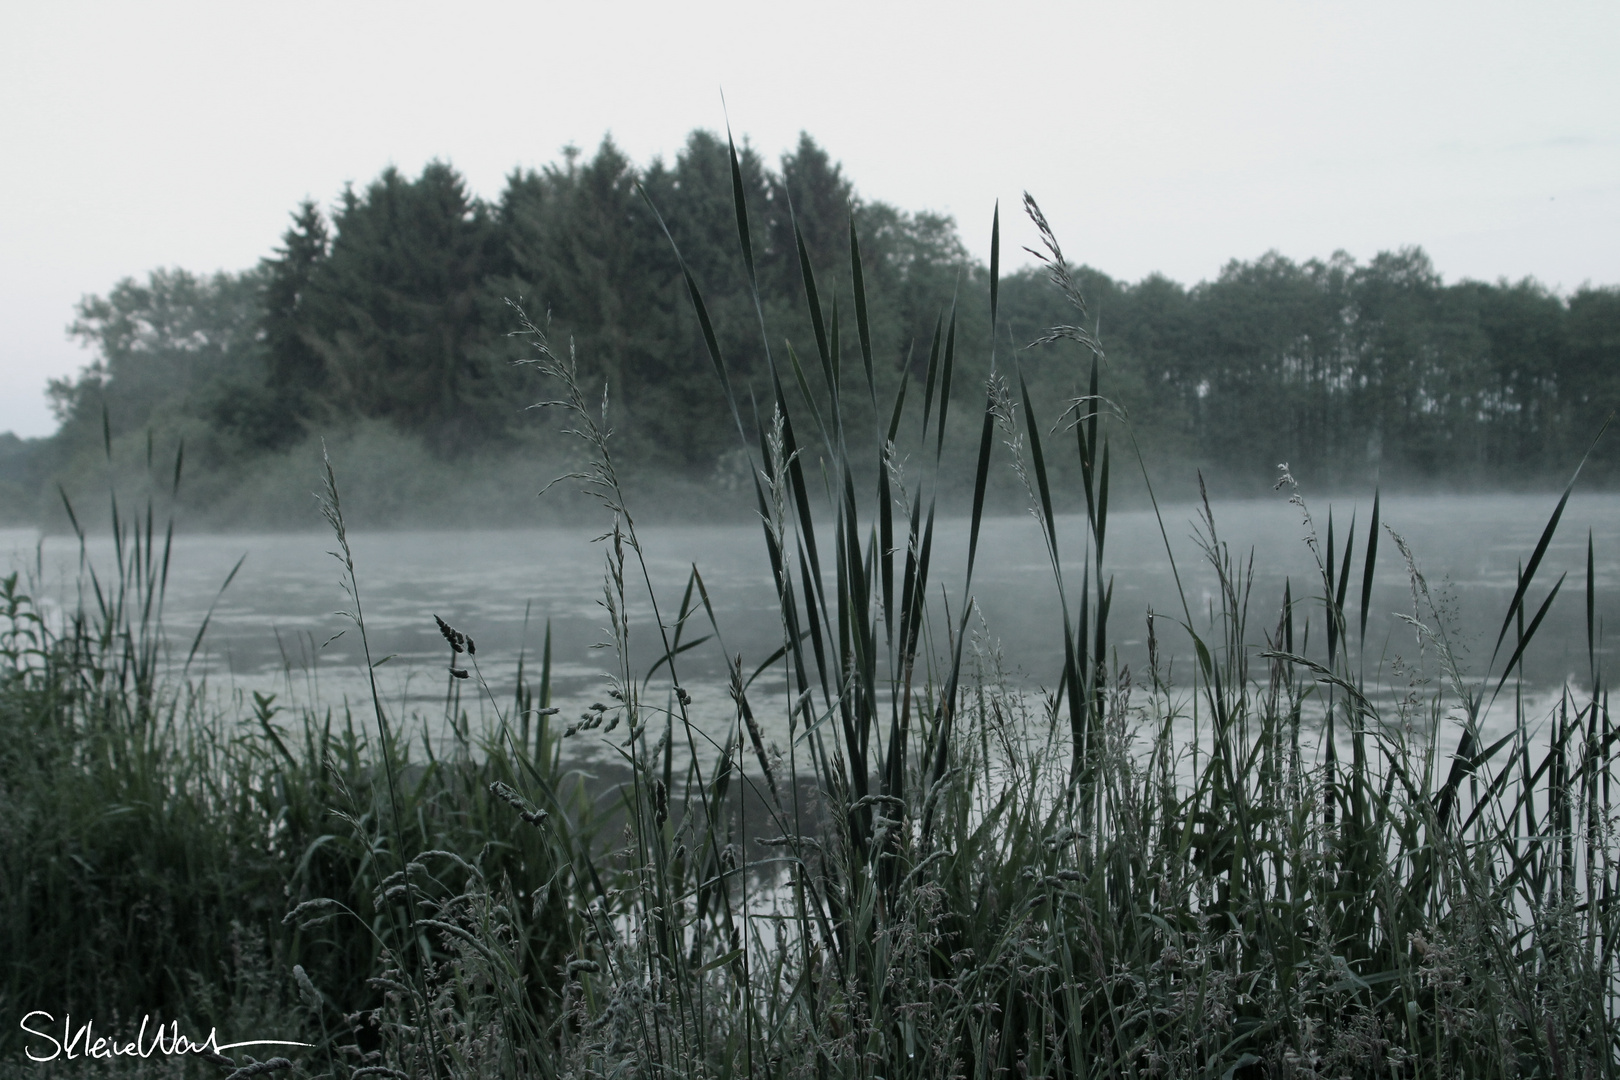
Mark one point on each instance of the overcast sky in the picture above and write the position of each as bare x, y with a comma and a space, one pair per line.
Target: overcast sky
1158, 137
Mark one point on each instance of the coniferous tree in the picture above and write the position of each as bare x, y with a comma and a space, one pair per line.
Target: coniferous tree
293, 361
398, 313
273, 411
584, 251
821, 199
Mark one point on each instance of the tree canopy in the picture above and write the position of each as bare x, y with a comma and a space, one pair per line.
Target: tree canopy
393, 308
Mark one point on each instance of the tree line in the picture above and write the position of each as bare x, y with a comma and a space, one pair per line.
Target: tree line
394, 309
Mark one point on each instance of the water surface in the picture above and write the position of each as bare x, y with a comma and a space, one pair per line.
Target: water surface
274, 629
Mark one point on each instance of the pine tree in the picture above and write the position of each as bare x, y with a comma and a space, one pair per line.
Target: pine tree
398, 313
294, 363
296, 373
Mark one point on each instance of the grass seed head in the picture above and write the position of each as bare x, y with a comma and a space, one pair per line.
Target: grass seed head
457, 640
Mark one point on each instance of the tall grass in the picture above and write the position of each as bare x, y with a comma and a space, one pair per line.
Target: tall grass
155, 833
1265, 870
1074, 886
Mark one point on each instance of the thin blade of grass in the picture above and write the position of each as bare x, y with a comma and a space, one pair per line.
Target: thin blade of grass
196, 642
813, 303
1541, 545
933, 372
1530, 632
859, 282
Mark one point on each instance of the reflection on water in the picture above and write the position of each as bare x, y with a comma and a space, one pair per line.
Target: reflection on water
274, 629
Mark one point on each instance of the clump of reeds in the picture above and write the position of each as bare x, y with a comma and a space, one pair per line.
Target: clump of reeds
154, 833
951, 896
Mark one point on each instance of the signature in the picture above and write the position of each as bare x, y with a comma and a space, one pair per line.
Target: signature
166, 1040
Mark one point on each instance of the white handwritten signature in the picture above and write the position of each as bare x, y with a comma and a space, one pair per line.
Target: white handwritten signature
166, 1041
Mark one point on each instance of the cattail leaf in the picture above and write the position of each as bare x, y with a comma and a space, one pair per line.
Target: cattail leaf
1367, 570
995, 279
771, 661
1038, 462
865, 332
1529, 572
1101, 527
1591, 606
899, 402
1094, 396
980, 476
946, 369
813, 302
710, 341
1530, 632
886, 541
933, 372
721, 961
196, 642
809, 398
740, 207
1327, 592
674, 652
1288, 614
1344, 566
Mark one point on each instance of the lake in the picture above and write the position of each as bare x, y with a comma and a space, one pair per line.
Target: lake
273, 629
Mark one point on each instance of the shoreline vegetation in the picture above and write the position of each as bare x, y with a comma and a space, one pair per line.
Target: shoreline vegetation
935, 876
379, 325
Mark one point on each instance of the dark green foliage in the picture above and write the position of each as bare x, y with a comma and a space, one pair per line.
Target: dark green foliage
153, 844
168, 348
1353, 373
180, 361
392, 313
582, 246
21, 468
1592, 368
296, 373
397, 309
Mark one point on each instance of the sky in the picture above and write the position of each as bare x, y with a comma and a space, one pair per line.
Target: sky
1158, 137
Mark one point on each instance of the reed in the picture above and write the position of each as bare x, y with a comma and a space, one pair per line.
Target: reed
988, 884
157, 833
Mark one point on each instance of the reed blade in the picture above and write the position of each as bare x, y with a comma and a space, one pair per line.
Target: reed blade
812, 298
1591, 608
946, 369
740, 208
1530, 632
1367, 570
1529, 572
711, 341
859, 282
933, 372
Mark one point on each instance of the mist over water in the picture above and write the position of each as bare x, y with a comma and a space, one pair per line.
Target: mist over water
274, 629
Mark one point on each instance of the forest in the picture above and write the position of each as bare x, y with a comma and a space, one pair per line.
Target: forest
383, 326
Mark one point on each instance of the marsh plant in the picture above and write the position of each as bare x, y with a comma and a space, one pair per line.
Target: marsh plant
1263, 868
